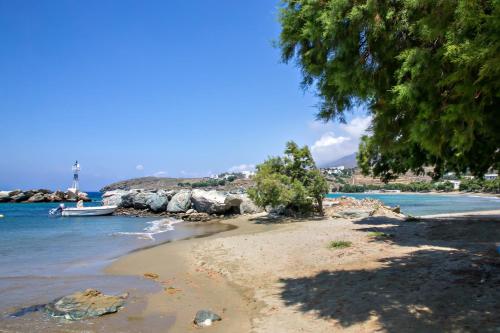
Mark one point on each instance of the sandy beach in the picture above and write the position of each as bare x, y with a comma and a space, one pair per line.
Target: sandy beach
432, 275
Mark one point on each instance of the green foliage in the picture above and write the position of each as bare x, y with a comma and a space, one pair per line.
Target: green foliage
209, 183
480, 185
336, 245
292, 181
411, 187
428, 72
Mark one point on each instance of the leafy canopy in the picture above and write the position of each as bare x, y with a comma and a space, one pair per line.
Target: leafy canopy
292, 181
428, 72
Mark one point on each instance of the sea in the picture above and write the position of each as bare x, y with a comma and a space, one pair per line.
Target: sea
44, 257
418, 204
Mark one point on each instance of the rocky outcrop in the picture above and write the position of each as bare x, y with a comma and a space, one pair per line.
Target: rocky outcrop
351, 208
180, 202
196, 205
41, 195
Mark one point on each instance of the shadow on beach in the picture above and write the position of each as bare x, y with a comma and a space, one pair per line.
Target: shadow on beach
450, 284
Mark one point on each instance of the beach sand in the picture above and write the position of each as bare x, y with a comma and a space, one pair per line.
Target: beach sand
432, 275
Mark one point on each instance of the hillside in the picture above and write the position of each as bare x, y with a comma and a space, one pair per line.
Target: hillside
348, 161
157, 183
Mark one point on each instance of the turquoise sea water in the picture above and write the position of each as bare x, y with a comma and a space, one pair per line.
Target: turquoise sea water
427, 204
43, 257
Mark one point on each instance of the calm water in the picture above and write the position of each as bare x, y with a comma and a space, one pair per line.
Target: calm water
426, 204
42, 257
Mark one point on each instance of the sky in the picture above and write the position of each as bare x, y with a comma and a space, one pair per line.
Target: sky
150, 88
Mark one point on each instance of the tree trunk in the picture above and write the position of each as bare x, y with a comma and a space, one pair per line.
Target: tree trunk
320, 205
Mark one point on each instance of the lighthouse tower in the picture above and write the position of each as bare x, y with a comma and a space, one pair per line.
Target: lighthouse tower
75, 186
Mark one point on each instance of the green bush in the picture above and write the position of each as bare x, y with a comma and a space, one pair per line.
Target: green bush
336, 245
292, 181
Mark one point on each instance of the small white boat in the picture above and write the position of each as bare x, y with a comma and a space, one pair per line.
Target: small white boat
88, 211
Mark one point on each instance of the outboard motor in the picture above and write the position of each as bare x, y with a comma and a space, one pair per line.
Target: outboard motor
56, 211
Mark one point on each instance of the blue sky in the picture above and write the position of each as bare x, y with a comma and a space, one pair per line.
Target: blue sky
138, 88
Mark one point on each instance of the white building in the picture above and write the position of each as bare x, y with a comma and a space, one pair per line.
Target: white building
491, 176
456, 184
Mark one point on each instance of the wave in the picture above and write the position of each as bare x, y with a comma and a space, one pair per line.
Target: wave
154, 228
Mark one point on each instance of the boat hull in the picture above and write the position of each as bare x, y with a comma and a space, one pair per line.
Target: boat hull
89, 211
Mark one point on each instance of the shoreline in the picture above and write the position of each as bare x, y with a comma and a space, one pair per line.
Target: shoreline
188, 286
478, 194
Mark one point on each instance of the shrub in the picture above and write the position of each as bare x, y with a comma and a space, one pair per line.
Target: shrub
292, 181
336, 245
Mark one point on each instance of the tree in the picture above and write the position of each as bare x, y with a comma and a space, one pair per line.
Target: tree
428, 72
292, 181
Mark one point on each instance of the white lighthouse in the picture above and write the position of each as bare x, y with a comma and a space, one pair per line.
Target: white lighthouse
75, 186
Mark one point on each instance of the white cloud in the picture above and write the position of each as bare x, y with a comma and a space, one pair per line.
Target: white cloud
139, 167
330, 147
327, 140
242, 168
357, 126
160, 174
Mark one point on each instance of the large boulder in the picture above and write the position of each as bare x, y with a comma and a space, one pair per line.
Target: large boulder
37, 197
113, 198
57, 196
142, 199
4, 196
90, 303
71, 196
22, 196
211, 202
247, 206
158, 202
180, 202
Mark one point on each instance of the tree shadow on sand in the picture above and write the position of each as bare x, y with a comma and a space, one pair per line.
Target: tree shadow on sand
453, 288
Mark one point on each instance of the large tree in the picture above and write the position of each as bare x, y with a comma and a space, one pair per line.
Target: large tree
427, 70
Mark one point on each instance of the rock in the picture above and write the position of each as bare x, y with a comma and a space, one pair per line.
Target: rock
355, 213
87, 304
152, 276
113, 198
37, 197
396, 210
196, 217
71, 196
211, 202
141, 200
58, 196
4, 196
205, 318
83, 196
191, 211
22, 196
157, 202
180, 202
247, 206
15, 192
